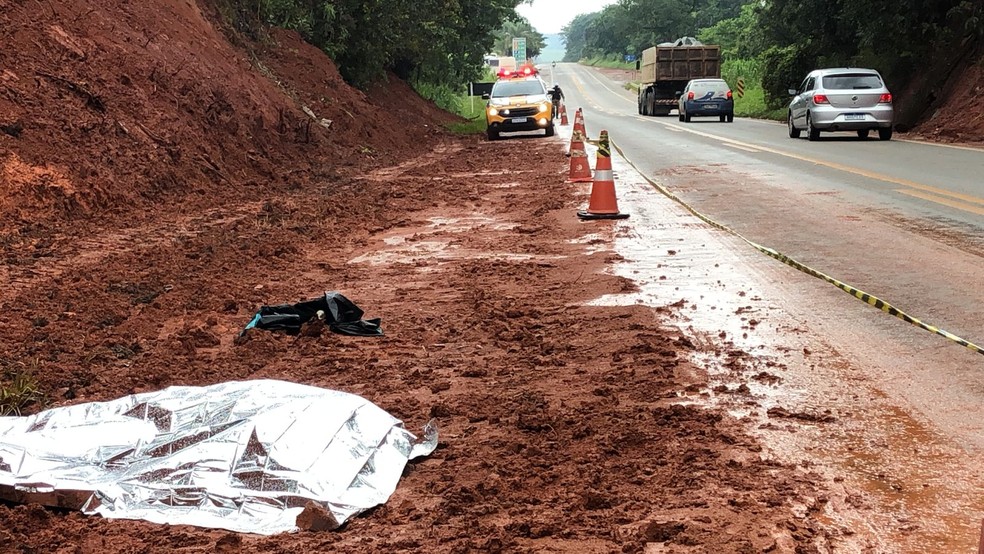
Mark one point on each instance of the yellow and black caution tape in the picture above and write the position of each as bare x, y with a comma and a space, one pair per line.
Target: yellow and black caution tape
859, 294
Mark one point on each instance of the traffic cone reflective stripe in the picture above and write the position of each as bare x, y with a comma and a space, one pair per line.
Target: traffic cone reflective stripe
578, 127
579, 123
603, 204
580, 168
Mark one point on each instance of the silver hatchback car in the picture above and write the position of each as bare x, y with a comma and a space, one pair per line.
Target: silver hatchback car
841, 99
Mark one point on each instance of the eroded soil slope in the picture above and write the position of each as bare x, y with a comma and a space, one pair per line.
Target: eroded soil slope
111, 107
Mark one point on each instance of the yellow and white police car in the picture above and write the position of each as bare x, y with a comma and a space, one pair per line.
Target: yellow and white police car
518, 102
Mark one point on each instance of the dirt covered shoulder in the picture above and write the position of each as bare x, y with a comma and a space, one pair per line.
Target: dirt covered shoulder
159, 183
561, 424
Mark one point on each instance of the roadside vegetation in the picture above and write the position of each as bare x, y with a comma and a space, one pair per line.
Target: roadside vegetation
611, 62
425, 41
438, 47
772, 45
452, 99
19, 389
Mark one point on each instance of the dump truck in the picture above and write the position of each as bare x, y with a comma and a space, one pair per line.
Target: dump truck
666, 68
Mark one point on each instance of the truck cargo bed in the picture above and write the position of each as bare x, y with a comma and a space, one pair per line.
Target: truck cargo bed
680, 63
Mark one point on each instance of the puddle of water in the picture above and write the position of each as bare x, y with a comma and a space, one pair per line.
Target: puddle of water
420, 246
594, 243
468, 223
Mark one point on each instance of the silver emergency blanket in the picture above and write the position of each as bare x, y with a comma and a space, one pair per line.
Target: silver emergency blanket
245, 456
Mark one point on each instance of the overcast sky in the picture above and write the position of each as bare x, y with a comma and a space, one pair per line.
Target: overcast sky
549, 16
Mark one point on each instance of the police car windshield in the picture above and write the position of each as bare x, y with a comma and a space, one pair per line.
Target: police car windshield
503, 89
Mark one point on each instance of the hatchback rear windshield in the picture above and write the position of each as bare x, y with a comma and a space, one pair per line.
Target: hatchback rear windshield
503, 89
851, 81
709, 86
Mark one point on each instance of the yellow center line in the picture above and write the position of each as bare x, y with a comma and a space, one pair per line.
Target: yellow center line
739, 147
942, 200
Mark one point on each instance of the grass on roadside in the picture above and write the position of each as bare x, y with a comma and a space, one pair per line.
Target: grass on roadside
19, 389
610, 63
472, 109
449, 99
753, 105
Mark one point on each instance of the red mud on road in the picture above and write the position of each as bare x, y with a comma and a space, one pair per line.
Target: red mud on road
159, 185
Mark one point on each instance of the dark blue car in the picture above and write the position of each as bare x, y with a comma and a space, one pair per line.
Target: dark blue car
707, 97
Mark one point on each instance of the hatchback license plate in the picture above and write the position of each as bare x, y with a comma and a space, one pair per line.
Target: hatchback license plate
519, 120
710, 106
854, 116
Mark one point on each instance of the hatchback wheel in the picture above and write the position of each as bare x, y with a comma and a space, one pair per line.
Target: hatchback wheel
863, 134
681, 115
686, 117
793, 131
731, 117
721, 118
885, 133
812, 132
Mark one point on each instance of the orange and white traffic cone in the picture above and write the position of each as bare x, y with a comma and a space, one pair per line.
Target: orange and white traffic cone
563, 114
579, 123
580, 170
603, 204
578, 126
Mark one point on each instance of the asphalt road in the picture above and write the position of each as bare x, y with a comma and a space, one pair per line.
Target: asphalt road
901, 220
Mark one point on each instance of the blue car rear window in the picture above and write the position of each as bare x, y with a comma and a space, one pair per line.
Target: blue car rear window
719, 88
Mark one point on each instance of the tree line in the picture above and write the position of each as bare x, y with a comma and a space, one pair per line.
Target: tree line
913, 43
435, 41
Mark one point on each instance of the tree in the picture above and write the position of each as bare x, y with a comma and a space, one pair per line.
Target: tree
518, 27
739, 37
434, 40
904, 40
576, 35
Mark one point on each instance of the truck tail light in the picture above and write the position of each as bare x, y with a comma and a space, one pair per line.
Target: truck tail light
690, 95
820, 99
885, 98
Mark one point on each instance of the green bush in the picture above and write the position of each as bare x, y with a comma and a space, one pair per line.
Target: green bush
460, 103
783, 68
444, 96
